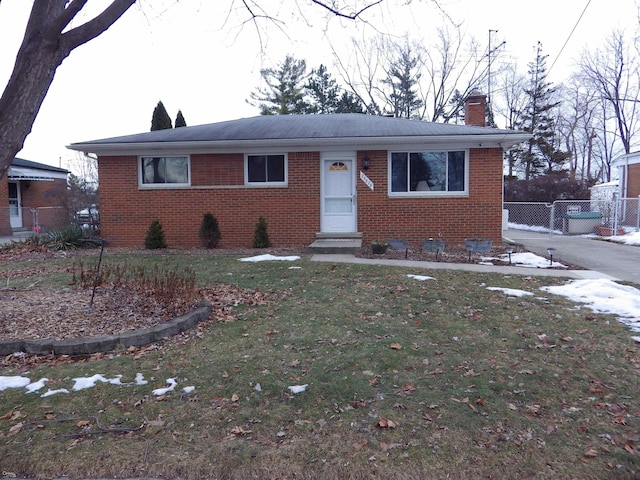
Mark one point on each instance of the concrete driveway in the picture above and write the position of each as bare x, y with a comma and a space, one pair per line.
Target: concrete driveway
619, 261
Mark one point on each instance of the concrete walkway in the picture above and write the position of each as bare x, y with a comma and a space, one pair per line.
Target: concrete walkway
466, 267
607, 260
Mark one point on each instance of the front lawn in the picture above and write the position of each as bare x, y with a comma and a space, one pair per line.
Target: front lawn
405, 379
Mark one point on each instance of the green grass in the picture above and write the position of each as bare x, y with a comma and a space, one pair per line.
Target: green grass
461, 372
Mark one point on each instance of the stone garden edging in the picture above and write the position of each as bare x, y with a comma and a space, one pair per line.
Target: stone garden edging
109, 343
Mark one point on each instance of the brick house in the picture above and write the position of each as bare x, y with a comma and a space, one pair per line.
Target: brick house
628, 168
309, 176
32, 196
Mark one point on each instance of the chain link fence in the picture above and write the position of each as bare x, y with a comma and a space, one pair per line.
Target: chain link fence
576, 217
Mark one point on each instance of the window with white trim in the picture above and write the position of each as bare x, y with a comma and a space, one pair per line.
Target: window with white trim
428, 173
164, 171
266, 169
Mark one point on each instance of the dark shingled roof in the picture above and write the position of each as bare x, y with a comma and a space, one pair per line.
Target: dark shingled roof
20, 162
275, 127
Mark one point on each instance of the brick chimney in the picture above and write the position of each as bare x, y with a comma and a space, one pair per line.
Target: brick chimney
475, 109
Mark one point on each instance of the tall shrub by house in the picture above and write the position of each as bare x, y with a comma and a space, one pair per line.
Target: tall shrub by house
209, 231
261, 236
155, 236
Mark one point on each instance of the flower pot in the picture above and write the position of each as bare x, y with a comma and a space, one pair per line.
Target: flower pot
605, 231
379, 248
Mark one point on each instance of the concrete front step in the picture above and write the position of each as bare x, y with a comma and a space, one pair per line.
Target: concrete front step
336, 243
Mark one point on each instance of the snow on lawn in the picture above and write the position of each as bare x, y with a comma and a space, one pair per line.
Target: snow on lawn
604, 296
525, 259
531, 228
632, 238
512, 292
268, 257
420, 278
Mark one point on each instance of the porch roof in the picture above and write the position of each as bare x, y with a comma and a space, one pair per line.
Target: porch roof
21, 169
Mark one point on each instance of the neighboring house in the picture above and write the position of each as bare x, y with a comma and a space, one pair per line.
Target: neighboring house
628, 168
32, 197
309, 176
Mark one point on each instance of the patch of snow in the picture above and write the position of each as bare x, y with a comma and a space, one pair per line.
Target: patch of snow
35, 386
604, 296
50, 392
532, 228
420, 278
513, 292
298, 388
13, 382
632, 238
140, 379
82, 383
161, 391
269, 257
529, 260
188, 389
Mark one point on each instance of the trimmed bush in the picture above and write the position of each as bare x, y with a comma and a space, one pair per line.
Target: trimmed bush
155, 236
209, 231
261, 236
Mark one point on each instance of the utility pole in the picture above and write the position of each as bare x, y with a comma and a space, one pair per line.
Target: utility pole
490, 51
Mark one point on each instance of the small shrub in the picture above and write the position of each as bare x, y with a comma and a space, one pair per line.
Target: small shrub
155, 236
261, 236
209, 231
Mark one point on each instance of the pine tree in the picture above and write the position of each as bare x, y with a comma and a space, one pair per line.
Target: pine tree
541, 153
285, 88
322, 90
180, 121
403, 81
160, 119
349, 103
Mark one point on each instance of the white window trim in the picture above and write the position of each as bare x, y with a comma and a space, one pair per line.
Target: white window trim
247, 183
142, 185
429, 194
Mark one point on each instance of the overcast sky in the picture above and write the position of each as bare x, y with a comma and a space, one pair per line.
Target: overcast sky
194, 56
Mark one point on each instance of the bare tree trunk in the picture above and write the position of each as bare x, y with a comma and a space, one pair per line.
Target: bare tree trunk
43, 49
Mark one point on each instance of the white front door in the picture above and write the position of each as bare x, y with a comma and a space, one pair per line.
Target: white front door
15, 212
338, 205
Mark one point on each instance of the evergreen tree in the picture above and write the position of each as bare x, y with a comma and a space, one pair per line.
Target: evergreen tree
284, 93
403, 80
160, 119
349, 103
323, 91
180, 121
541, 153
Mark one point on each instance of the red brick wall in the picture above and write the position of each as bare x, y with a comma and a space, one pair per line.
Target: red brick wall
415, 219
292, 212
633, 185
36, 194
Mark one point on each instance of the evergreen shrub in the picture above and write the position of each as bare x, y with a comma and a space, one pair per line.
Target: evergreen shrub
261, 235
155, 236
209, 231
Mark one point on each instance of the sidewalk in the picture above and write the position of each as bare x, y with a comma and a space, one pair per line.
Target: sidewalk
467, 267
